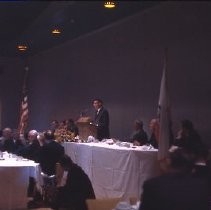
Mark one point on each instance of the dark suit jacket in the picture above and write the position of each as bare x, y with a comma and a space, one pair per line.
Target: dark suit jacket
30, 151
175, 191
140, 136
50, 154
102, 122
78, 188
9, 146
153, 141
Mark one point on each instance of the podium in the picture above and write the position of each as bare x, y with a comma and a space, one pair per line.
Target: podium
85, 128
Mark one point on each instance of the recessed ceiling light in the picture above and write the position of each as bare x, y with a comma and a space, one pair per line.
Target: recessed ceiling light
22, 47
56, 31
109, 4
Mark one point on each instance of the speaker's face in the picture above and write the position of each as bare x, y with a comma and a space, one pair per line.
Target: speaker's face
97, 104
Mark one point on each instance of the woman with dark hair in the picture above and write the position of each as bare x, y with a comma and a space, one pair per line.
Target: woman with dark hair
188, 137
72, 127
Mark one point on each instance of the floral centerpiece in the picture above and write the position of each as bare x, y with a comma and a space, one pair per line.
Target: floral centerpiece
64, 135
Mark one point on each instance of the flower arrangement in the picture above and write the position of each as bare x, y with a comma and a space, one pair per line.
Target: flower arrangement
64, 135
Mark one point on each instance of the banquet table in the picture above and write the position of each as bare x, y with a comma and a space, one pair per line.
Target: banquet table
115, 171
14, 180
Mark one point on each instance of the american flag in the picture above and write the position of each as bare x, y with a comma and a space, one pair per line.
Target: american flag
24, 110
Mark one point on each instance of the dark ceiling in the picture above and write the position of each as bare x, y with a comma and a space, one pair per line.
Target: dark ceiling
31, 22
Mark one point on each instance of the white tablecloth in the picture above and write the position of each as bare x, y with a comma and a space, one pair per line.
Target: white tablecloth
14, 180
113, 170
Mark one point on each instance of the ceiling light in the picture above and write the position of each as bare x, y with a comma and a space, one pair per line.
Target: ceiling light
109, 4
56, 31
22, 47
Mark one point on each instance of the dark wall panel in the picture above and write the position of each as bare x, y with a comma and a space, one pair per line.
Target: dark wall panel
11, 80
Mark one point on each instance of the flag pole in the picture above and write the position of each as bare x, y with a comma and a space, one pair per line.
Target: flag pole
164, 114
26, 70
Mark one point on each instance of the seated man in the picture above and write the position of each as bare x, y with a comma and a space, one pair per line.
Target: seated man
139, 136
8, 143
77, 188
31, 151
50, 154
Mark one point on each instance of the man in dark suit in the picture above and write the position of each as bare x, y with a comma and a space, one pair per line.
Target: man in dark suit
101, 120
8, 143
139, 136
77, 188
178, 189
32, 149
50, 154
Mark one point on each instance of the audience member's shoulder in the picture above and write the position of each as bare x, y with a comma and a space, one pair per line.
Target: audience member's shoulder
157, 179
77, 170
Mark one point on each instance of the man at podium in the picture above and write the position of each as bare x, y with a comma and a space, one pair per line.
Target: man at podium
101, 120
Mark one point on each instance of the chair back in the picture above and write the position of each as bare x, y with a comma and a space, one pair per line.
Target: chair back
102, 204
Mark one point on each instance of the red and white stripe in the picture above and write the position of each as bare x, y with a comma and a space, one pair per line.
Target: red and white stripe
24, 115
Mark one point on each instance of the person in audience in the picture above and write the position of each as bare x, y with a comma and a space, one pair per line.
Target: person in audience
54, 125
32, 149
154, 127
62, 125
41, 139
78, 187
50, 154
18, 140
177, 189
8, 143
187, 136
139, 136
201, 165
72, 127
101, 119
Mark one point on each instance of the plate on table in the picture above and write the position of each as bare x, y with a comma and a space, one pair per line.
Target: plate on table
24, 159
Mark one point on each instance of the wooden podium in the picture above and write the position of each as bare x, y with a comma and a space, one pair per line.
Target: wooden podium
85, 128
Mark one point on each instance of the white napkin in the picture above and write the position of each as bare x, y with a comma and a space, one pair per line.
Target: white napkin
90, 139
123, 205
136, 206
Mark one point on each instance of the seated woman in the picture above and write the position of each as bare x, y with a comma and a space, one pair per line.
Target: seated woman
188, 137
77, 188
72, 127
139, 136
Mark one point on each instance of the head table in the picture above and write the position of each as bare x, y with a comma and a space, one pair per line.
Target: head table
114, 170
14, 180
